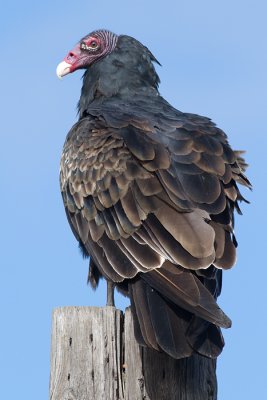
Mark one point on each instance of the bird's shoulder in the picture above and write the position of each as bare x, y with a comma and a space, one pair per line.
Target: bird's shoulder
143, 139
149, 119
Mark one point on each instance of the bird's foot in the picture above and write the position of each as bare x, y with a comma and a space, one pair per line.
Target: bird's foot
110, 294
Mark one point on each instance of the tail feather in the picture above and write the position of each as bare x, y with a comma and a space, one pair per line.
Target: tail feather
176, 318
170, 325
184, 289
142, 311
205, 338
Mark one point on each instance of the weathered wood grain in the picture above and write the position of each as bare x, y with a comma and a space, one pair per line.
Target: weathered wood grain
152, 375
95, 356
86, 354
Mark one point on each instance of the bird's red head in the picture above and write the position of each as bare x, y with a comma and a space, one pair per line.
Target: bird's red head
90, 49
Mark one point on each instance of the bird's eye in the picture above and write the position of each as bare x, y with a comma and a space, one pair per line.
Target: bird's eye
93, 44
90, 45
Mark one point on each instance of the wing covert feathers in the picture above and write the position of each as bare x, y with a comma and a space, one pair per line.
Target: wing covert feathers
150, 194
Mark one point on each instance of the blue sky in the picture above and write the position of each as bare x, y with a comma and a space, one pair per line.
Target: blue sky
214, 63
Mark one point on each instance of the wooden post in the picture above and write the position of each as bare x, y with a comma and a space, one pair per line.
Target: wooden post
94, 356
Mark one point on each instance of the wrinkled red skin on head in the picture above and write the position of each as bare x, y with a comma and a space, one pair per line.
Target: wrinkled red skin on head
74, 57
78, 58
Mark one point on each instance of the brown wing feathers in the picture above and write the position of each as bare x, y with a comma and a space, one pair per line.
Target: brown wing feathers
152, 206
185, 290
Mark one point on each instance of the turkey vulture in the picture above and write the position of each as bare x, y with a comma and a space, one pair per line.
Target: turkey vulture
150, 194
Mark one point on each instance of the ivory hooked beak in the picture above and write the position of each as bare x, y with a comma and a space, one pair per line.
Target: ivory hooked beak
63, 69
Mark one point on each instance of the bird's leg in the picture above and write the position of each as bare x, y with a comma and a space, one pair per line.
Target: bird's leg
110, 294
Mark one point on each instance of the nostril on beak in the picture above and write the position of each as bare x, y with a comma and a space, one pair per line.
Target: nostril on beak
71, 57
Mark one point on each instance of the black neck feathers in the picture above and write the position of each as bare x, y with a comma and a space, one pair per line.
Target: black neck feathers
122, 74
